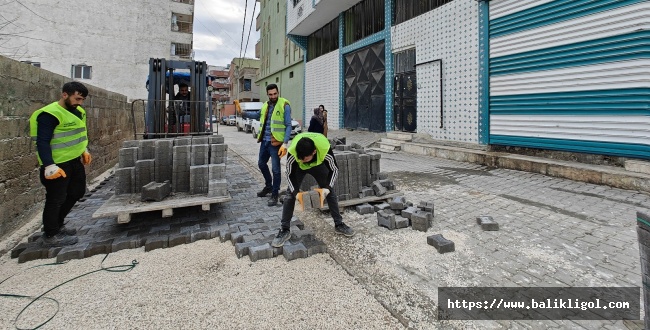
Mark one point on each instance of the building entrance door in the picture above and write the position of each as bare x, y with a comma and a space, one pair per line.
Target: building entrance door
365, 89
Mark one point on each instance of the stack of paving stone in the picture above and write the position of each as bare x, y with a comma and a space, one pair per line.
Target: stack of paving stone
189, 164
643, 234
359, 174
253, 238
398, 213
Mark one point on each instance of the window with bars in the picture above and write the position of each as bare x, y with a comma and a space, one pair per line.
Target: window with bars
324, 40
82, 71
406, 9
181, 50
363, 20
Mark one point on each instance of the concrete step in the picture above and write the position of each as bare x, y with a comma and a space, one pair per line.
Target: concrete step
391, 142
637, 166
400, 136
389, 147
597, 174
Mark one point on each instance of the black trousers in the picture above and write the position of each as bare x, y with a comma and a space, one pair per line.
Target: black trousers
325, 174
61, 194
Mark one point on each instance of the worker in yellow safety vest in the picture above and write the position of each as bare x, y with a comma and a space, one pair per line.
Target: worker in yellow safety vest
59, 132
311, 153
274, 135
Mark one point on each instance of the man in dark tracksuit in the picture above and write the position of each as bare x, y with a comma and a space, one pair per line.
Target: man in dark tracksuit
310, 153
59, 132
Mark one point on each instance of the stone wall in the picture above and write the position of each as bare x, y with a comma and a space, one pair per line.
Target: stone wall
26, 88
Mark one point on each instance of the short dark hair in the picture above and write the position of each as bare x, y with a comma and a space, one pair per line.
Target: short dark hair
75, 87
271, 86
305, 147
181, 85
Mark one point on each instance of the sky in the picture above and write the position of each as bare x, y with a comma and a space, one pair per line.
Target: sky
218, 30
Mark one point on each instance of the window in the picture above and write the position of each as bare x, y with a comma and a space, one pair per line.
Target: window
247, 85
291, 74
181, 23
324, 40
181, 50
407, 9
295, 2
82, 71
364, 19
278, 5
277, 79
36, 64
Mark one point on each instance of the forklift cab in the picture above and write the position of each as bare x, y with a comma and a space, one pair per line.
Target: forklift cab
168, 112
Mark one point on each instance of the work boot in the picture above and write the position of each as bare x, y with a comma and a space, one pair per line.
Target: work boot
264, 192
280, 238
67, 231
59, 239
273, 200
343, 229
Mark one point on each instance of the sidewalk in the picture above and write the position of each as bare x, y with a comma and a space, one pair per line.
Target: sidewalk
613, 176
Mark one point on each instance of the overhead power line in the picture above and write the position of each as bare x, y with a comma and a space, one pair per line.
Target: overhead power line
250, 28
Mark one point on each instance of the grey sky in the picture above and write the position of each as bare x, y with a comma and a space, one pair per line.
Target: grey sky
218, 30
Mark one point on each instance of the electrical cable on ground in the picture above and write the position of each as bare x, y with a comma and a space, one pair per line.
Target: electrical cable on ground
117, 269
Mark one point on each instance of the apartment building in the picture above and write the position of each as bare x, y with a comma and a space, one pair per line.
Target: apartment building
243, 87
281, 60
562, 75
102, 43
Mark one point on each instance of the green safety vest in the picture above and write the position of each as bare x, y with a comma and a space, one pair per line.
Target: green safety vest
322, 147
69, 140
277, 119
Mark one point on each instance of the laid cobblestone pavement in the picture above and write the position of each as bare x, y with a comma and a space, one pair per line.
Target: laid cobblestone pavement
240, 221
553, 232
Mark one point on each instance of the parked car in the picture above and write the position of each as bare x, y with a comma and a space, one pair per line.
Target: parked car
231, 120
224, 120
213, 118
295, 127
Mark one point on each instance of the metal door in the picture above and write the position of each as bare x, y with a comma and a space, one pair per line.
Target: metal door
365, 87
404, 103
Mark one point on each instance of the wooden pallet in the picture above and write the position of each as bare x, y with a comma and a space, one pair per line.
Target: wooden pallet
123, 206
369, 199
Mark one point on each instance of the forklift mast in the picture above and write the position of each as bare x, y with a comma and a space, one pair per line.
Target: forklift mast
161, 97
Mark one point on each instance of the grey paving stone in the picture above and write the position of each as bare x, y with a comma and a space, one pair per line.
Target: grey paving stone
179, 239
386, 219
156, 242
242, 249
32, 253
122, 243
365, 208
292, 251
401, 222
407, 212
441, 244
77, 251
258, 252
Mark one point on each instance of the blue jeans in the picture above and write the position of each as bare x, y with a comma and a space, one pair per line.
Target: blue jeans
268, 151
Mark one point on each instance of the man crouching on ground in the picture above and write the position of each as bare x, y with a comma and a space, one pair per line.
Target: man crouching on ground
310, 153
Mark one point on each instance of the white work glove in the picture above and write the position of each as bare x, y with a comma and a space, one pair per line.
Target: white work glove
53, 172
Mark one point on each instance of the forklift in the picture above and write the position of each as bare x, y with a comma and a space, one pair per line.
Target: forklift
167, 116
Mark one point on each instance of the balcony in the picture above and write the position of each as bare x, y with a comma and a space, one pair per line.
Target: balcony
258, 23
181, 23
304, 18
258, 47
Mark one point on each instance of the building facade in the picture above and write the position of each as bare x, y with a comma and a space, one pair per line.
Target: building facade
220, 83
281, 61
106, 44
570, 76
546, 74
242, 73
